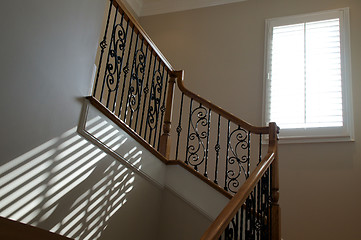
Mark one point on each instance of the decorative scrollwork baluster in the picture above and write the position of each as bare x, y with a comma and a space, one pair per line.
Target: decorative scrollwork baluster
154, 102
163, 107
196, 150
160, 107
135, 84
141, 87
110, 66
146, 91
207, 146
103, 45
126, 71
114, 65
237, 161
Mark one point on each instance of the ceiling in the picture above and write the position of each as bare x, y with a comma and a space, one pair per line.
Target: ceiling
153, 7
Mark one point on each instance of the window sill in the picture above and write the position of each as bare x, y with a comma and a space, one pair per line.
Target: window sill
315, 139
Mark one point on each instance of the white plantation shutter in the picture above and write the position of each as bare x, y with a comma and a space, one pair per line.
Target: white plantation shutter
305, 74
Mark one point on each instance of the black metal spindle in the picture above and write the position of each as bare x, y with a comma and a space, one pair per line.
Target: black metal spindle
133, 77
109, 67
248, 234
207, 147
115, 49
260, 149
119, 68
146, 91
141, 87
135, 94
126, 71
103, 45
217, 147
248, 154
236, 233
254, 213
152, 98
258, 209
163, 107
241, 223
179, 127
121, 43
227, 156
158, 101
189, 124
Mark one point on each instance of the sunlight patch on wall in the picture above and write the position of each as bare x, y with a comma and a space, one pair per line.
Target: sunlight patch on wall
68, 185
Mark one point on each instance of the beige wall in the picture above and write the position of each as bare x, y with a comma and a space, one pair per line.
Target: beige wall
222, 49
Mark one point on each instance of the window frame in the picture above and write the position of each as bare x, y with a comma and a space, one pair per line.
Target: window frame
322, 134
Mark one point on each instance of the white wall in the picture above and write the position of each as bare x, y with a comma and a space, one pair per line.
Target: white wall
221, 48
49, 176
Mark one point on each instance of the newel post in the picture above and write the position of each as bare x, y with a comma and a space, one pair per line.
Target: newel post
275, 207
164, 144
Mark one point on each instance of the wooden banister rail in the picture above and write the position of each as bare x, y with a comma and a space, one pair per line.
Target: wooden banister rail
217, 109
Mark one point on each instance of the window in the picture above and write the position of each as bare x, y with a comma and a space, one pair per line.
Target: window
307, 77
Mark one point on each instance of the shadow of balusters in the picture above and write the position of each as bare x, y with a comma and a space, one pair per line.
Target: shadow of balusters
67, 184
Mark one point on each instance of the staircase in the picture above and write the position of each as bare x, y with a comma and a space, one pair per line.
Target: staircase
138, 90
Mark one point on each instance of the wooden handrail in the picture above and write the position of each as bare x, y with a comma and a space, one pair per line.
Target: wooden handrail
215, 108
223, 219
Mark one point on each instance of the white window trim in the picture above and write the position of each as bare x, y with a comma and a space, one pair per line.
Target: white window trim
329, 134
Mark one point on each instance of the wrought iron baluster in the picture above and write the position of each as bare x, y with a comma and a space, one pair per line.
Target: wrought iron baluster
248, 231
122, 46
163, 108
254, 213
141, 87
158, 108
268, 202
118, 44
109, 67
237, 161
133, 89
103, 45
189, 123
126, 71
217, 147
242, 223
236, 233
207, 147
258, 210
248, 154
153, 103
232, 229
179, 127
260, 149
227, 156
146, 91
197, 133
121, 43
